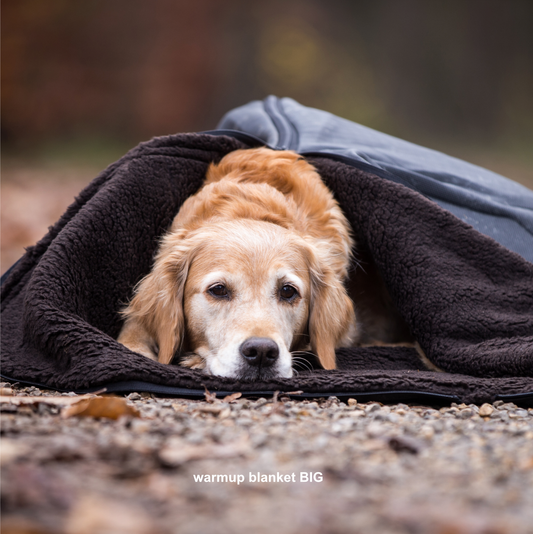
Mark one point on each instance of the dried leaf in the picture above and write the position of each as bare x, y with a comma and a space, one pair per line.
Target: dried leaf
50, 401
215, 410
108, 407
210, 397
233, 397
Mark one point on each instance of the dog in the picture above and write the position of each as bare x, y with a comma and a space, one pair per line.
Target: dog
251, 275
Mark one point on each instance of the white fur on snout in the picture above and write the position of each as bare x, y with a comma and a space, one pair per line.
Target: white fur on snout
249, 312
229, 362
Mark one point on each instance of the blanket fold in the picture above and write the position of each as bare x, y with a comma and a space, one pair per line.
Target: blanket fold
467, 299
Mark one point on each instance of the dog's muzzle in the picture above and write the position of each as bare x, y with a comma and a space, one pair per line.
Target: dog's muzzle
259, 352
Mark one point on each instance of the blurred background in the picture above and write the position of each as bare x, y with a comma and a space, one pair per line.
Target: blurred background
82, 82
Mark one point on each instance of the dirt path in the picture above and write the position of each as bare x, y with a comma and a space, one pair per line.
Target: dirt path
194, 467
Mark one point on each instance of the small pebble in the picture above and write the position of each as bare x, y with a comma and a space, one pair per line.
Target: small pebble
405, 444
426, 432
139, 426
372, 408
485, 410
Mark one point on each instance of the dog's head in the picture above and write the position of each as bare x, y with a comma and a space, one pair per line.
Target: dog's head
238, 297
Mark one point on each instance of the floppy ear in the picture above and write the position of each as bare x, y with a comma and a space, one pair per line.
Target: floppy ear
331, 316
155, 322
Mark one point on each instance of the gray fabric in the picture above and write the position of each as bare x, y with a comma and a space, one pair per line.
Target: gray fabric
493, 205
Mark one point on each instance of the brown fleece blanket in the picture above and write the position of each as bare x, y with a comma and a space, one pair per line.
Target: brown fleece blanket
467, 299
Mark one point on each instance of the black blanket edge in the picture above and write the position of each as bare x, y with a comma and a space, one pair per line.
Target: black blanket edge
384, 397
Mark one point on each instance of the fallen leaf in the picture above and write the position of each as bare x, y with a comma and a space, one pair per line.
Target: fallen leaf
210, 397
108, 407
51, 401
215, 410
233, 397
88, 405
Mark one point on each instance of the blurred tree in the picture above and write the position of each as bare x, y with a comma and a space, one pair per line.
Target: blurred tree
127, 68
448, 67
131, 69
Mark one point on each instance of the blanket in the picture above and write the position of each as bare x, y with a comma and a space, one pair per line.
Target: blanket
467, 299
491, 203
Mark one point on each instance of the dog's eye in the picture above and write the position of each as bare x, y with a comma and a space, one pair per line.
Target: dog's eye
288, 292
219, 290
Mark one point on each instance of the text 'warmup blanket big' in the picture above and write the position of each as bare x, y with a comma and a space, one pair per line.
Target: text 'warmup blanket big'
467, 299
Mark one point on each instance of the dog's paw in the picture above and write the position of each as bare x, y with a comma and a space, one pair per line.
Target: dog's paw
193, 361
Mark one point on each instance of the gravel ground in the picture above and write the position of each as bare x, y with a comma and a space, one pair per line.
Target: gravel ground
333, 468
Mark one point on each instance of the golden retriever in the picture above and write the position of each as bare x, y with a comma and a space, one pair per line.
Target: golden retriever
251, 271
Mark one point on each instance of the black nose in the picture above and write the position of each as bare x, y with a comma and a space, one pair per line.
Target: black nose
259, 351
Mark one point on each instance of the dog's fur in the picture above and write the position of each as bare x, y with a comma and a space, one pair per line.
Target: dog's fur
252, 270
